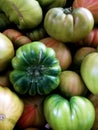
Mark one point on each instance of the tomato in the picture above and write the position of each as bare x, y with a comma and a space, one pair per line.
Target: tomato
6, 51
4, 79
71, 84
80, 54
89, 72
94, 99
91, 39
4, 22
47, 4
92, 5
33, 113
68, 25
36, 69
16, 37
11, 108
26, 14
37, 33
63, 53
73, 114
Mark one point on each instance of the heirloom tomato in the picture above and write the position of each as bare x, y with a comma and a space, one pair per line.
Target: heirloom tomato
6, 51
26, 14
94, 99
32, 115
11, 108
61, 114
68, 25
71, 84
63, 53
89, 71
92, 5
36, 69
45, 2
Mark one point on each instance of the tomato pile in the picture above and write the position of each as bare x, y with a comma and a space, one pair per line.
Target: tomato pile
48, 64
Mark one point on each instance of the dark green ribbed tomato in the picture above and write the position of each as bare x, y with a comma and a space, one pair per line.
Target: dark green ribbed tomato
77, 113
35, 69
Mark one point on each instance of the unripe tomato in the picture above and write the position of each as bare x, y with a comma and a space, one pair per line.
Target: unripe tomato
6, 51
68, 25
89, 72
73, 114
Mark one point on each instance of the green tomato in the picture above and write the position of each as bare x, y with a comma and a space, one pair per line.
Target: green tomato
89, 72
26, 14
6, 51
52, 3
68, 25
56, 3
45, 2
4, 22
36, 69
61, 114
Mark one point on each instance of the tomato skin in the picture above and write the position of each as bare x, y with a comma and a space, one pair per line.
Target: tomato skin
6, 51
68, 26
94, 99
92, 5
71, 84
89, 72
91, 40
36, 69
62, 114
11, 108
21, 17
45, 2
48, 4
81, 53
63, 53
32, 114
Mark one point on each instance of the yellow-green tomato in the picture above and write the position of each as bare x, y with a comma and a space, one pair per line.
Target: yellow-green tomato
73, 114
11, 108
68, 25
6, 51
25, 14
89, 72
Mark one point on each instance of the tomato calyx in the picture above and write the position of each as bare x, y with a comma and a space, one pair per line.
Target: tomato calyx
68, 10
35, 72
